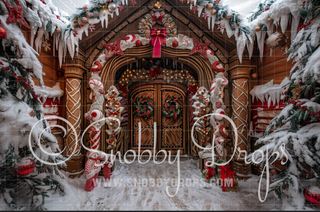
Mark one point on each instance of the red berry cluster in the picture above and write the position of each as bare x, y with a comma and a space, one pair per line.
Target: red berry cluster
305, 25
25, 83
298, 105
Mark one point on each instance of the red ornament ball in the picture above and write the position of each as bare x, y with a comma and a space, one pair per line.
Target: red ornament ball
25, 166
175, 43
3, 33
312, 195
138, 43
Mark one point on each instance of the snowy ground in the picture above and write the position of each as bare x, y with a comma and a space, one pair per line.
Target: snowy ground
146, 196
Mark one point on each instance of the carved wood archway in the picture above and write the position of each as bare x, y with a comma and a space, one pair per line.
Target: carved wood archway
197, 62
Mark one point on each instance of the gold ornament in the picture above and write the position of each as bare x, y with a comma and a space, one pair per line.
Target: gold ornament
257, 29
191, 1
270, 19
296, 91
254, 75
58, 30
210, 6
84, 20
228, 16
88, 15
158, 5
213, 12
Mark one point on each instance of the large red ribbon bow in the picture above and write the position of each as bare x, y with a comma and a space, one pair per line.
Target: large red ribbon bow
210, 172
157, 39
225, 173
154, 18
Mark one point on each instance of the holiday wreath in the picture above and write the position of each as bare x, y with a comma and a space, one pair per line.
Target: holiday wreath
138, 107
174, 114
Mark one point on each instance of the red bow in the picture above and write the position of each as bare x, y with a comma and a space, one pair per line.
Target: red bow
225, 173
123, 89
192, 89
154, 18
157, 40
210, 172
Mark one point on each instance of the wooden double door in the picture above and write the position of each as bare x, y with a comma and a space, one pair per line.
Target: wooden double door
171, 133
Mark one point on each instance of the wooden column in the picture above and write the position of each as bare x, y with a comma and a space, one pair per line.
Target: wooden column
74, 75
240, 75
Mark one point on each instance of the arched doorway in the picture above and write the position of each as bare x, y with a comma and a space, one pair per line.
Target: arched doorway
203, 74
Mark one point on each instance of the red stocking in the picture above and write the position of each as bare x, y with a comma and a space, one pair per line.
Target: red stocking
106, 171
90, 182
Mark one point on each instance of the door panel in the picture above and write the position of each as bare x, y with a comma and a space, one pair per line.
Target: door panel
171, 134
146, 125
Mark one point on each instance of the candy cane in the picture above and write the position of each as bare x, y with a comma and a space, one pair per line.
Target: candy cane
95, 82
94, 137
96, 67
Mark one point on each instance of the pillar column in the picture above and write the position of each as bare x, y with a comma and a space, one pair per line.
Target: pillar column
240, 75
73, 75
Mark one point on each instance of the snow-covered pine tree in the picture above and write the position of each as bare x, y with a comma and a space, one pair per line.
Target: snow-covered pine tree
24, 180
298, 124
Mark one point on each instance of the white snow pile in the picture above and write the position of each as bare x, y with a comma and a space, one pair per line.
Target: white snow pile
47, 92
16, 124
269, 92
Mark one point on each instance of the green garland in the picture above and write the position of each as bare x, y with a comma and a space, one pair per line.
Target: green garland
138, 107
177, 113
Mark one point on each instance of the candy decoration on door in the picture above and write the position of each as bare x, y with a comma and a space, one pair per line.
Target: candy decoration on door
113, 112
216, 98
158, 38
95, 114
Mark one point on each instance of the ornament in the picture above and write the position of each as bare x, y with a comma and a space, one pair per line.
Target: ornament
217, 116
205, 15
31, 113
16, 14
194, 9
221, 27
3, 33
223, 131
138, 43
84, 20
257, 29
58, 30
130, 38
217, 1
296, 91
275, 40
228, 16
213, 12
134, 2
210, 6
120, 7
312, 194
46, 45
114, 49
91, 27
191, 1
175, 43
112, 7
270, 19
25, 166
88, 15
95, 13
200, 48
210, 52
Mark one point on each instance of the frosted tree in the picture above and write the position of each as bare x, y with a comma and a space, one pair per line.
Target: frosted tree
297, 126
25, 179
